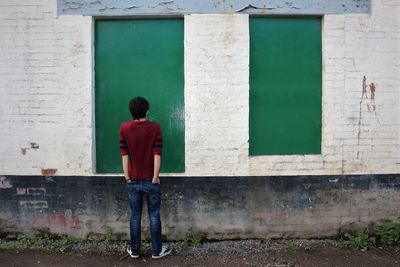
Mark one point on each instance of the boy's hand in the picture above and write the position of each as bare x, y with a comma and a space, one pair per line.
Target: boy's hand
127, 179
155, 180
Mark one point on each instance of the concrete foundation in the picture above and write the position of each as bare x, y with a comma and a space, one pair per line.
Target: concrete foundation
217, 207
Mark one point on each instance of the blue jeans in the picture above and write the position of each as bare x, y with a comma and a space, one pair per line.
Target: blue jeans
136, 191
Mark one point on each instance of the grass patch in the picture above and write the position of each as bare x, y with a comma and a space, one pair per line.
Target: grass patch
21, 243
389, 233
191, 240
266, 240
307, 245
67, 241
109, 236
360, 240
145, 246
290, 247
386, 234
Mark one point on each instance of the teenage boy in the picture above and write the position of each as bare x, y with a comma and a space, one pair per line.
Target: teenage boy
141, 147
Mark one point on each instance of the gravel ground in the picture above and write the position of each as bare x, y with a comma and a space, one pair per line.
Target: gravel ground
223, 248
271, 253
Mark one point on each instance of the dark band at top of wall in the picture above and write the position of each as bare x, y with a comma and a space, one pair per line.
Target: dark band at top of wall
180, 7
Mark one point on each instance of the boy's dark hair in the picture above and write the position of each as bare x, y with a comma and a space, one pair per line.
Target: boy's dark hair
138, 107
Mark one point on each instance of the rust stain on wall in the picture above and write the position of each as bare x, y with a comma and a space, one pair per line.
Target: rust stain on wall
49, 172
370, 105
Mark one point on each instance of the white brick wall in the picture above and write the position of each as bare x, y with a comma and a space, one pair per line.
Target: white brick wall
353, 46
45, 85
46, 89
357, 46
216, 93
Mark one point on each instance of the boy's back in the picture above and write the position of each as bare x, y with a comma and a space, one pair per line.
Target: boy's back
141, 145
141, 140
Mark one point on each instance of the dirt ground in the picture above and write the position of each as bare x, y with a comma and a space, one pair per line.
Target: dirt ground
219, 254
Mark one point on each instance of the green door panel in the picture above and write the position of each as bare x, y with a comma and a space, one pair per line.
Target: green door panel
142, 57
285, 86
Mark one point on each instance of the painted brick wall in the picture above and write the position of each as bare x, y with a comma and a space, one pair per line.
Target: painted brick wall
46, 86
216, 94
357, 136
362, 135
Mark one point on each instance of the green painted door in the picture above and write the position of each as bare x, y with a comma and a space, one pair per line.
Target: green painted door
285, 86
141, 57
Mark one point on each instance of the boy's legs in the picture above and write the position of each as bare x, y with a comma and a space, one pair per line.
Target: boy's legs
135, 196
153, 204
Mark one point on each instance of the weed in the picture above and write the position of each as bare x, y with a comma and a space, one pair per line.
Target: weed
66, 241
307, 245
145, 245
37, 242
191, 240
23, 242
266, 240
291, 247
109, 237
361, 240
20, 244
389, 233
13, 245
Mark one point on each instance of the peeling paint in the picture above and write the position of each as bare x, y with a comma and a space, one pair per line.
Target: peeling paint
34, 204
156, 7
4, 183
285, 5
36, 191
130, 7
34, 146
161, 3
21, 191
50, 179
23, 151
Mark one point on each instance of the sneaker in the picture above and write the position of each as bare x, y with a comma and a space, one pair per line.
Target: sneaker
164, 252
133, 256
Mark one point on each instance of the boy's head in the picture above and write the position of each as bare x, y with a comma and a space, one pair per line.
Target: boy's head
138, 107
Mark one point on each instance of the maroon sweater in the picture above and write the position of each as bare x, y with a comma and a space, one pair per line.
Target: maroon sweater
141, 140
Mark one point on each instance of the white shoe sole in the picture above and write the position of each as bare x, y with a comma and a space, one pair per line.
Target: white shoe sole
163, 255
130, 254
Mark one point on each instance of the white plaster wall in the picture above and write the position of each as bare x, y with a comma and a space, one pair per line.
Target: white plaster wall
45, 88
46, 94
